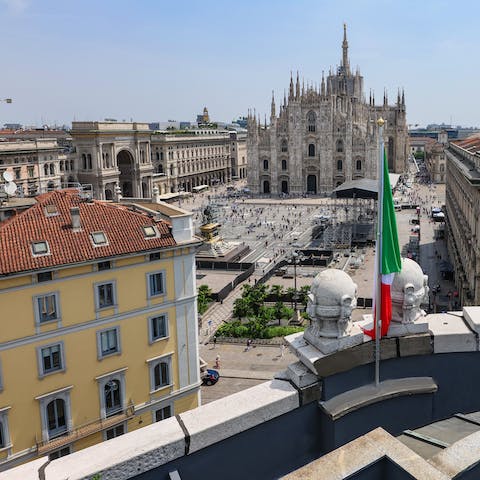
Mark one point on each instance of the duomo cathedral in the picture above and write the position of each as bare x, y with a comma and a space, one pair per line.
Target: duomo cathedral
324, 136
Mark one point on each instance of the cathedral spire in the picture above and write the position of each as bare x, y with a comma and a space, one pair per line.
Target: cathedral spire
345, 62
403, 98
323, 85
291, 94
297, 89
265, 121
272, 107
385, 98
303, 87
284, 99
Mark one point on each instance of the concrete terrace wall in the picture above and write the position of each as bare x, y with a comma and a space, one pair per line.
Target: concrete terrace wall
274, 428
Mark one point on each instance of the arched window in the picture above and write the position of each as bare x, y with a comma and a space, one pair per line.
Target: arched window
158, 155
71, 165
339, 146
442, 167
61, 166
107, 159
56, 418
52, 169
311, 150
311, 122
2, 436
89, 158
113, 397
284, 164
339, 165
265, 164
45, 169
358, 165
161, 375
284, 146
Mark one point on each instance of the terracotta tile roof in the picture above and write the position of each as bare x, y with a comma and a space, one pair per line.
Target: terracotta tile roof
121, 225
471, 144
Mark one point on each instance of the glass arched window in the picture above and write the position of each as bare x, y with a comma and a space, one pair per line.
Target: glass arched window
84, 161
52, 169
89, 158
56, 418
339, 165
311, 150
113, 402
311, 122
265, 164
284, 146
284, 164
339, 146
45, 169
61, 166
358, 165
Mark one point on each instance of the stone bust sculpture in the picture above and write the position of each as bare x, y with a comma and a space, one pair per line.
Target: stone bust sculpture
331, 301
409, 290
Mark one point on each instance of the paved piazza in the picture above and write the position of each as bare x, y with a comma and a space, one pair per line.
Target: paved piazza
274, 228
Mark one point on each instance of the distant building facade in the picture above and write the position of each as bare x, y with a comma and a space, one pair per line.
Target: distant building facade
238, 150
190, 159
463, 215
324, 137
37, 166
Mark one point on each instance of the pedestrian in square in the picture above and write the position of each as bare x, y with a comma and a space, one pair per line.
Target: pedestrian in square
214, 341
217, 361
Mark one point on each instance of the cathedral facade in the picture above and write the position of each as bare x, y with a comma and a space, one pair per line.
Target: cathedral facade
324, 136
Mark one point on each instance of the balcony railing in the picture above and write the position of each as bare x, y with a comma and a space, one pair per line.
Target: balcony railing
82, 431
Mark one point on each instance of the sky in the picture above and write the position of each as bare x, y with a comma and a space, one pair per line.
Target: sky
155, 60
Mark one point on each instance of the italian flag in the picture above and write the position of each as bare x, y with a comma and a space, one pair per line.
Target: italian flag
391, 261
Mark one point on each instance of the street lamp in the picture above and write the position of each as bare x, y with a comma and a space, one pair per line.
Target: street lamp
295, 260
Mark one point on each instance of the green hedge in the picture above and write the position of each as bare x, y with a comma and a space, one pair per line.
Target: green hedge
255, 330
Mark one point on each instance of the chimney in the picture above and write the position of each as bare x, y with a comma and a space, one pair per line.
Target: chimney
75, 215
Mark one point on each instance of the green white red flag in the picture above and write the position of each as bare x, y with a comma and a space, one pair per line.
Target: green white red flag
391, 261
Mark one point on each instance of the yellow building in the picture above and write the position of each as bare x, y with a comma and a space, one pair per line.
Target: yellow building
98, 329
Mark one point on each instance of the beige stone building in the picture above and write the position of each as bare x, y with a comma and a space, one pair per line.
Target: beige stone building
238, 149
37, 165
463, 215
129, 158
184, 161
110, 154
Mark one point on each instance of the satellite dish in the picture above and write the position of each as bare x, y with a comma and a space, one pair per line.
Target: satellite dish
8, 176
11, 188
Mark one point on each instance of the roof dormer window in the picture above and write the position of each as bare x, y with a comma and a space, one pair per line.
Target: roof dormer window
99, 238
40, 248
150, 231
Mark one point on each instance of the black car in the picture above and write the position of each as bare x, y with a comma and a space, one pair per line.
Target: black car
210, 377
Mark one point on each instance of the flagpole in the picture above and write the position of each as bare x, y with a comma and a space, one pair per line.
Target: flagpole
378, 247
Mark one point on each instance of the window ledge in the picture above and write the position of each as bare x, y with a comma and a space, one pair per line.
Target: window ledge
160, 389
46, 374
107, 355
156, 340
47, 322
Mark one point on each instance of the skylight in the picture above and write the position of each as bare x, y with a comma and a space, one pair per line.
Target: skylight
99, 238
51, 210
40, 248
150, 231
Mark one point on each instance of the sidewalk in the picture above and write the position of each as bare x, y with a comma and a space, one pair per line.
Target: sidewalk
217, 314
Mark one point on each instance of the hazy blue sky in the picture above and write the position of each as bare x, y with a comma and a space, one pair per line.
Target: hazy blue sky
156, 60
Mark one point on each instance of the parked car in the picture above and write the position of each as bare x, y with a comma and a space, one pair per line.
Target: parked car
210, 377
